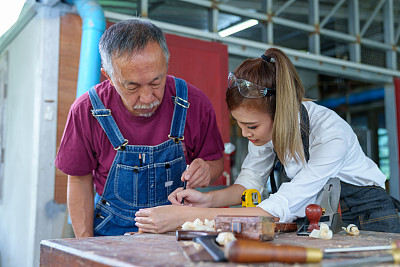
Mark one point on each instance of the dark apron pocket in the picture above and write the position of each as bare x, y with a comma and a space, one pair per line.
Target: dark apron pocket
384, 220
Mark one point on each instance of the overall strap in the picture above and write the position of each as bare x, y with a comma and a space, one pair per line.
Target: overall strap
106, 121
180, 110
305, 133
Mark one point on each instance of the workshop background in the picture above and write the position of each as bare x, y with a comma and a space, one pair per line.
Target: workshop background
346, 52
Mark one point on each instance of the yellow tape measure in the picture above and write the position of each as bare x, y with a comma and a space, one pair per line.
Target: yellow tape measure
251, 198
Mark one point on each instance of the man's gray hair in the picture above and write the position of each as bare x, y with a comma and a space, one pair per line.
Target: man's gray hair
128, 37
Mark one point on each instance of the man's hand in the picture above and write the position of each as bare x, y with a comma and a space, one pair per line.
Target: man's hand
198, 174
202, 173
160, 219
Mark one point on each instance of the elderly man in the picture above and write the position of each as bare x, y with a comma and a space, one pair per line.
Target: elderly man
133, 135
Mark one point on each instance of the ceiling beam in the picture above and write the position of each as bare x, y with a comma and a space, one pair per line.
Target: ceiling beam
247, 48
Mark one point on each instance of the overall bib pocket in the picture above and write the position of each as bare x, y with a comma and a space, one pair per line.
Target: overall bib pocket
167, 178
129, 188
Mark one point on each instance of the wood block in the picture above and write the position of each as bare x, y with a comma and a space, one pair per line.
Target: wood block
253, 227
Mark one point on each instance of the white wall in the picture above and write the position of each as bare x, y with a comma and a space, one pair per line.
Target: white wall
27, 212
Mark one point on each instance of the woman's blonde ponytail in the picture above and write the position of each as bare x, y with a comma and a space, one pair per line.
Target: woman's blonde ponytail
286, 135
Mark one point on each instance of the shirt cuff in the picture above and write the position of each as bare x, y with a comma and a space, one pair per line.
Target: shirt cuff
277, 206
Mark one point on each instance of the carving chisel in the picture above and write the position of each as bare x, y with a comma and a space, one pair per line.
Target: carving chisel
393, 257
184, 184
251, 251
393, 245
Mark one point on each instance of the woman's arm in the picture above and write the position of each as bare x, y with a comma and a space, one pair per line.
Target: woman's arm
230, 196
168, 218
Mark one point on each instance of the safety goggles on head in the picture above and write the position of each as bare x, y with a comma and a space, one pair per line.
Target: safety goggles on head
249, 89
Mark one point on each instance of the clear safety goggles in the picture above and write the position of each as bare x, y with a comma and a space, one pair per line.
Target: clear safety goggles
249, 89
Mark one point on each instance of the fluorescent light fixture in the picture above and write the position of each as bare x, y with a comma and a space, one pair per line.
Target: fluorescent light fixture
238, 27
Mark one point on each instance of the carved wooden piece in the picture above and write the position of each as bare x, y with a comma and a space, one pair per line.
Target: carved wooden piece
254, 227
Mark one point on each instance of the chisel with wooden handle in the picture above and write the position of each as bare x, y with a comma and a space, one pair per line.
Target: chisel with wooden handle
251, 251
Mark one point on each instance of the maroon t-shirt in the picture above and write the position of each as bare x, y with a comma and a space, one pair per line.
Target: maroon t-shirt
85, 147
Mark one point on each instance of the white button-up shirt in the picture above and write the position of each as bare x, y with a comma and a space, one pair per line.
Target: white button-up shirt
334, 152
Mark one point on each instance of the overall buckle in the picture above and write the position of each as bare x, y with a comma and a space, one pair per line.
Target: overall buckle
176, 139
102, 112
181, 102
123, 146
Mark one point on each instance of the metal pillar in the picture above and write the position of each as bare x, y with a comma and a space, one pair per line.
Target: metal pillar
213, 14
388, 30
144, 8
354, 29
267, 29
391, 126
314, 43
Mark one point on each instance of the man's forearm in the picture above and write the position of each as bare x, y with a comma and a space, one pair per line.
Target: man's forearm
80, 204
216, 168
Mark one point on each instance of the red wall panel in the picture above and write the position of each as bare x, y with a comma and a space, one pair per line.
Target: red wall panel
205, 65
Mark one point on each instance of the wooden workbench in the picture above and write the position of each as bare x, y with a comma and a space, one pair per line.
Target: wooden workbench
164, 250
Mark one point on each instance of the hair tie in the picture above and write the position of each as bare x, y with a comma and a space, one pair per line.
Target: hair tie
266, 58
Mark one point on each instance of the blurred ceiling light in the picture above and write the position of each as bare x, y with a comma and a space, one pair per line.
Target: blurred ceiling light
9, 13
238, 27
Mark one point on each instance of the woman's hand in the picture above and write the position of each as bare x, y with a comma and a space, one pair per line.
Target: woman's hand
160, 219
191, 198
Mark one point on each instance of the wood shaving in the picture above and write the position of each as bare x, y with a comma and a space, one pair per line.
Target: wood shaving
324, 232
199, 225
352, 229
224, 238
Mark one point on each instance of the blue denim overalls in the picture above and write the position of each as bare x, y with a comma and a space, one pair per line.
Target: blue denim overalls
134, 181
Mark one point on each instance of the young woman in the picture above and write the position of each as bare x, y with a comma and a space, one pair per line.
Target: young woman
266, 98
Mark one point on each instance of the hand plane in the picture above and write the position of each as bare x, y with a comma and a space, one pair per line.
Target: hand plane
328, 199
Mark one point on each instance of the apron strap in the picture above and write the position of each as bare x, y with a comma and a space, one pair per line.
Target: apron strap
305, 133
106, 121
180, 110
